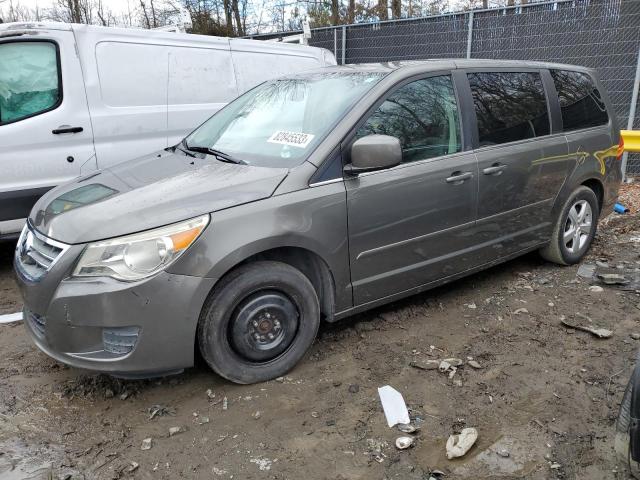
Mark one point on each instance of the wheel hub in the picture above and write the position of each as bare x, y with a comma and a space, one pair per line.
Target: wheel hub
263, 326
578, 226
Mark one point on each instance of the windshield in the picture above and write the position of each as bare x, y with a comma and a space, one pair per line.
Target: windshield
279, 123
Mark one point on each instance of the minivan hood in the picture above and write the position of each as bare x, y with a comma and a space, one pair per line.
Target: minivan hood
149, 192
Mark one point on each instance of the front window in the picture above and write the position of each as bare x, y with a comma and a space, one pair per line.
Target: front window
29, 79
423, 115
279, 123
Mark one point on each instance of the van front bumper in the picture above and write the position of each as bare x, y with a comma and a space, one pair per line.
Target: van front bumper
139, 329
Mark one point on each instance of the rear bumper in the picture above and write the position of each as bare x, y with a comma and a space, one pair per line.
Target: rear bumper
130, 329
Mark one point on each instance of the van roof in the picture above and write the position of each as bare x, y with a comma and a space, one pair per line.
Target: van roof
17, 29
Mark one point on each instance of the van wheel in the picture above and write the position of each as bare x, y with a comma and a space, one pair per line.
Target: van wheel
258, 322
575, 228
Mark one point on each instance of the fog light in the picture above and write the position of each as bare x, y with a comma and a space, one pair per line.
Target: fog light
120, 340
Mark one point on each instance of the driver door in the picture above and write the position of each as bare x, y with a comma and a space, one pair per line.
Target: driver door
411, 224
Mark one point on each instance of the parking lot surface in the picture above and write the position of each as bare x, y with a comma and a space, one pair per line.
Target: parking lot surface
545, 394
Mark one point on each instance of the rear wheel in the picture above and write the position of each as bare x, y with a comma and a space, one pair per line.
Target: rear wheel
574, 229
258, 322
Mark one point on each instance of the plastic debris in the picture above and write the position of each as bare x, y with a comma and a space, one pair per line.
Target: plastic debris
11, 317
520, 310
586, 270
474, 364
612, 278
407, 428
449, 364
403, 443
596, 289
425, 364
459, 445
597, 331
146, 444
176, 430
395, 410
619, 208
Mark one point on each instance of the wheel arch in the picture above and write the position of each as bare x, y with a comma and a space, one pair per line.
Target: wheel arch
310, 263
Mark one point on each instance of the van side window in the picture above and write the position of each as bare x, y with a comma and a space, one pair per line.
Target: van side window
510, 106
580, 100
423, 115
29, 80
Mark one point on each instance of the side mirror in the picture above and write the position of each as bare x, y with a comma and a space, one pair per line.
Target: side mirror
374, 152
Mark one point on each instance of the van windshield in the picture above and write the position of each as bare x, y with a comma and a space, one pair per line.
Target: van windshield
29, 79
279, 123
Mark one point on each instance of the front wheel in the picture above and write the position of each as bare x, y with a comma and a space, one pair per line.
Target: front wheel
574, 229
258, 322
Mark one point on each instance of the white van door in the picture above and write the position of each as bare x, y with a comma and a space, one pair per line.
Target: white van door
201, 82
128, 98
45, 130
256, 61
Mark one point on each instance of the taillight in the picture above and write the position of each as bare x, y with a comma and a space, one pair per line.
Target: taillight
620, 148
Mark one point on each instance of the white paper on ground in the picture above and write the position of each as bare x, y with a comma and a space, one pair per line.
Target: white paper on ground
11, 317
393, 405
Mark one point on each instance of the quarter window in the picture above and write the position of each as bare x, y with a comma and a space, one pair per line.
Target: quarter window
29, 79
510, 106
580, 101
423, 115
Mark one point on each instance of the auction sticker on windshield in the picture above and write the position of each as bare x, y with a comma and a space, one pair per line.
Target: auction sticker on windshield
294, 139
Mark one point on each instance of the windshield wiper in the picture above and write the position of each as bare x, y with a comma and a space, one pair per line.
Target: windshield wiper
183, 150
223, 157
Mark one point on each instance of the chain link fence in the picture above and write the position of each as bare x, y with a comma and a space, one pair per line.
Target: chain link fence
601, 34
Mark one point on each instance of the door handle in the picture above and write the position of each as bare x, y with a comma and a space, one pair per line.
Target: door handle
457, 178
61, 130
495, 169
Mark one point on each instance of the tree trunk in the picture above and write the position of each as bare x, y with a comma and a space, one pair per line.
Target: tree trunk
335, 12
485, 4
351, 12
236, 13
396, 8
227, 17
383, 9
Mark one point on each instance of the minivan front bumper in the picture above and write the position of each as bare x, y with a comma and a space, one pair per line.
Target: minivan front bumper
142, 328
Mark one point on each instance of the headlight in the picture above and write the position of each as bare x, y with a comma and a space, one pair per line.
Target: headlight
140, 255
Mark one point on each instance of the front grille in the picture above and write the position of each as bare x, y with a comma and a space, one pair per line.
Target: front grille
37, 322
36, 254
120, 340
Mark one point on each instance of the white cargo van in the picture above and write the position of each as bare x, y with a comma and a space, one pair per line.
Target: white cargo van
76, 98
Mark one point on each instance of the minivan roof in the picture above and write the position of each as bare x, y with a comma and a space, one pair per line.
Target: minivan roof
447, 64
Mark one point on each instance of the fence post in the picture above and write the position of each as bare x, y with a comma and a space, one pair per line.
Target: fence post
344, 42
470, 35
632, 111
335, 43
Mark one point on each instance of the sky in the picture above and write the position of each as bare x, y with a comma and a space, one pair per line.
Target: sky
116, 6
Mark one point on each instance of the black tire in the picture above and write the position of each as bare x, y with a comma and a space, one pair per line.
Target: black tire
260, 293
557, 251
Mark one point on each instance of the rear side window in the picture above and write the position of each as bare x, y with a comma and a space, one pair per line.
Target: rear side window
580, 101
510, 106
29, 80
423, 115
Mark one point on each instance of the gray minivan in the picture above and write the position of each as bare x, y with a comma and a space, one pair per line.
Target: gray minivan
313, 197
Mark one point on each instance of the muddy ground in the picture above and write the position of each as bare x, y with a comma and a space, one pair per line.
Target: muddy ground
546, 394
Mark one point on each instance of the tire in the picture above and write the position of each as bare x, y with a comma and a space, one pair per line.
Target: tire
258, 323
570, 249
622, 439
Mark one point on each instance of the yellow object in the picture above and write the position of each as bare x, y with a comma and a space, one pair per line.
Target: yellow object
631, 140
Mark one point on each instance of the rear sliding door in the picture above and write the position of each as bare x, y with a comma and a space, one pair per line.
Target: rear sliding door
522, 160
